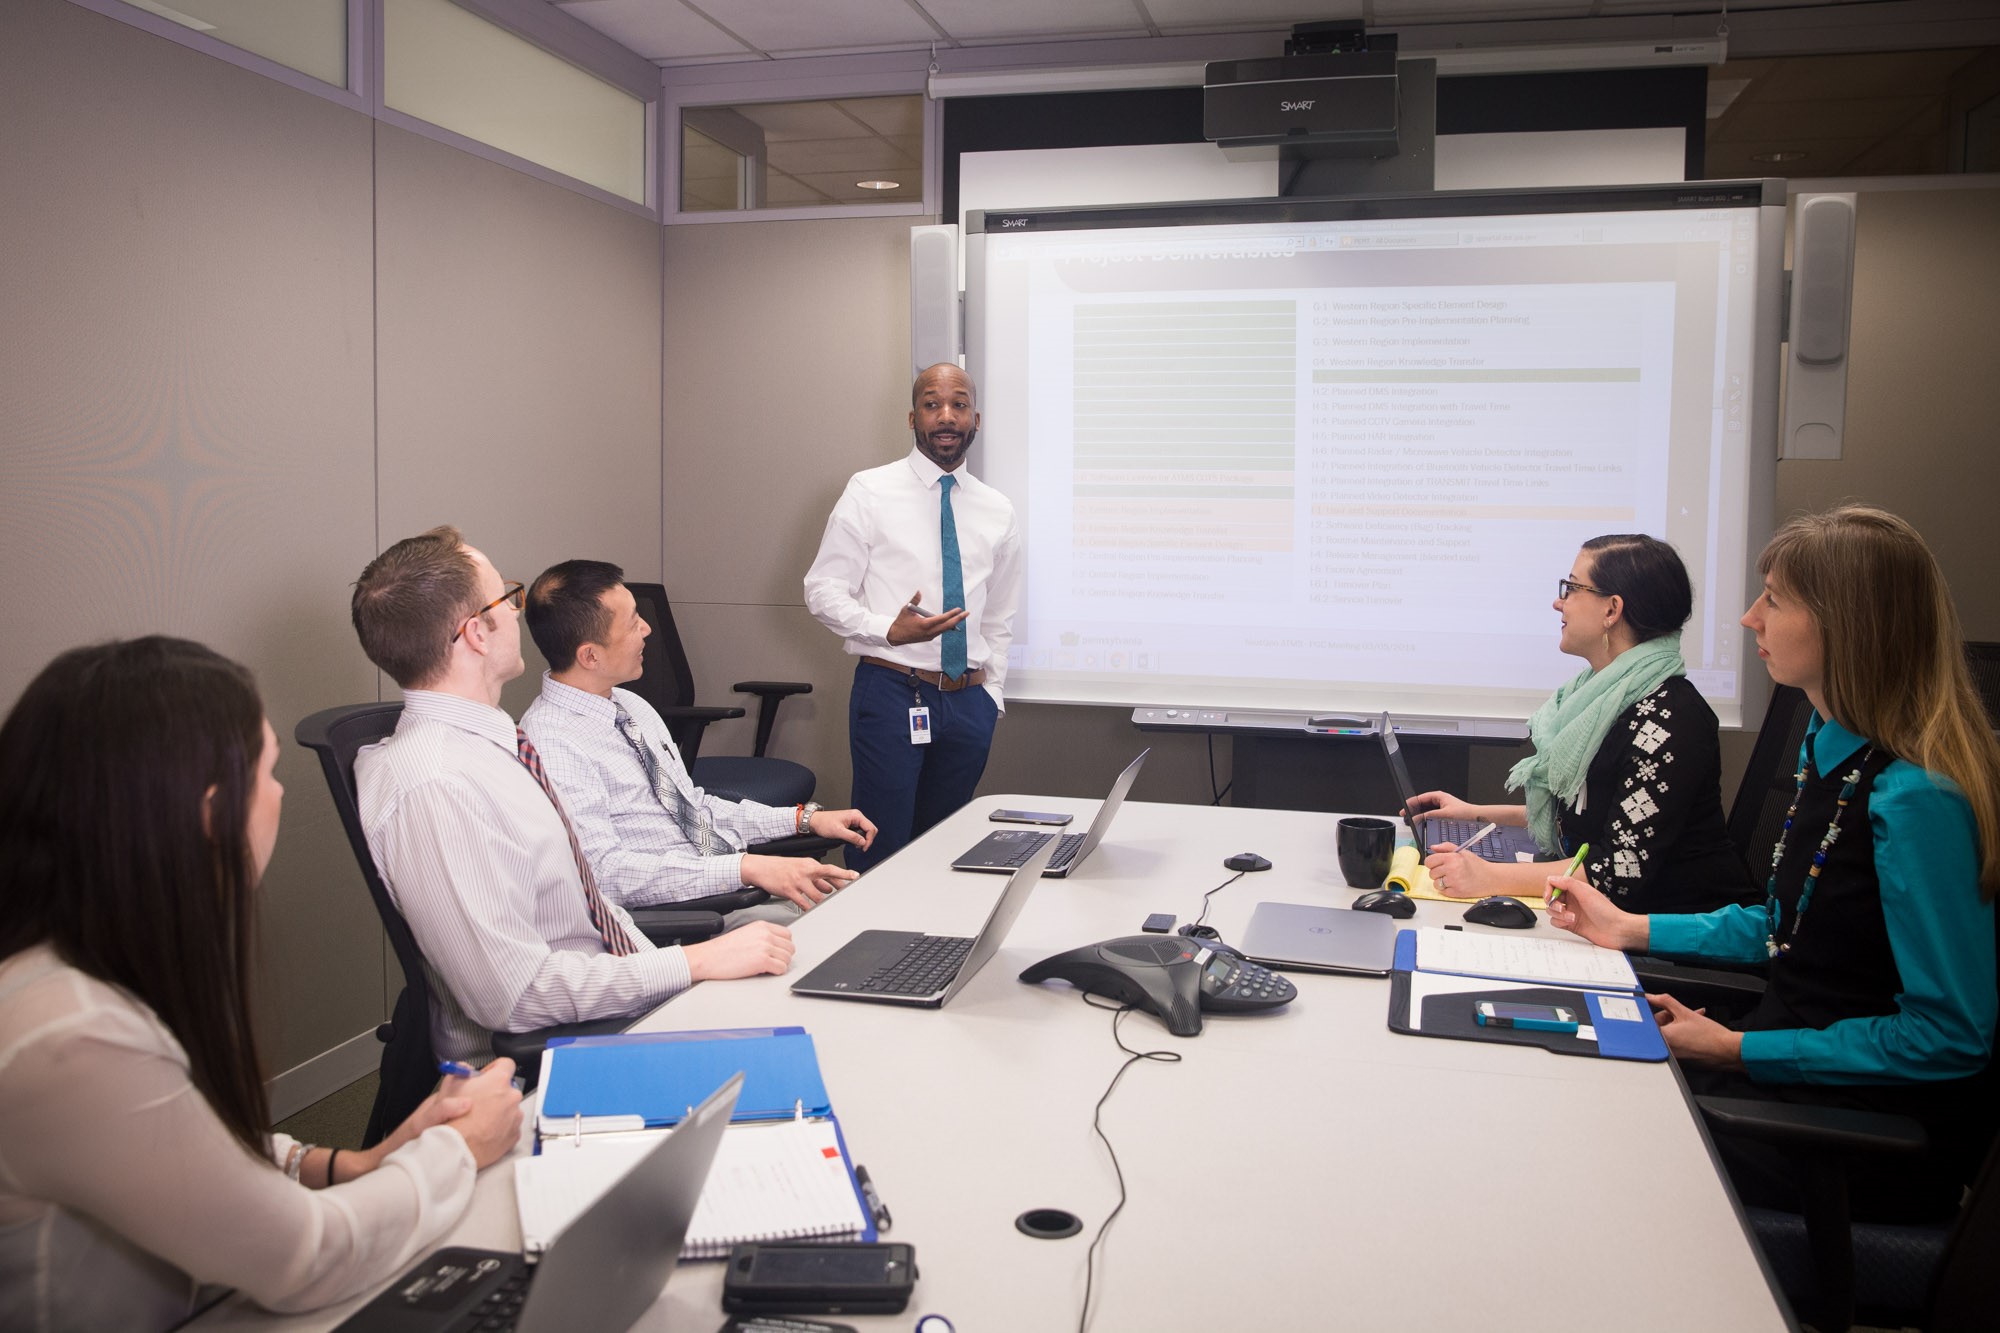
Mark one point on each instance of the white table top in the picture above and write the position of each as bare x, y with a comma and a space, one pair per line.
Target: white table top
1297, 1166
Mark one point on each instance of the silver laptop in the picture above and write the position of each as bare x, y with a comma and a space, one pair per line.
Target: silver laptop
1301, 938
604, 1271
998, 853
924, 971
1505, 843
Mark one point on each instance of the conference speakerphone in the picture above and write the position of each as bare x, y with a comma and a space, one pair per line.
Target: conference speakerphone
1257, 722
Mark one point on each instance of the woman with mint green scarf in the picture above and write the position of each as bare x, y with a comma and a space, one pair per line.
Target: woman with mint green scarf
1626, 756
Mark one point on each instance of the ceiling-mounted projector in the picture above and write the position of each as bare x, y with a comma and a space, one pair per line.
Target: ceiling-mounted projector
1334, 89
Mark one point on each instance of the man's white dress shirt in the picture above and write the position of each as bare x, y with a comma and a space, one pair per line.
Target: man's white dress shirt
881, 545
636, 846
477, 859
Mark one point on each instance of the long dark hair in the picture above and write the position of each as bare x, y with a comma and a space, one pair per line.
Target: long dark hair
106, 856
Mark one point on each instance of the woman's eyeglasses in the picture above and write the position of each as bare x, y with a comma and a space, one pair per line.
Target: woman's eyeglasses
1564, 587
515, 593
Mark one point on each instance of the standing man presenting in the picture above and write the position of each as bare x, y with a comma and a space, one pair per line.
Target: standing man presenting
920, 572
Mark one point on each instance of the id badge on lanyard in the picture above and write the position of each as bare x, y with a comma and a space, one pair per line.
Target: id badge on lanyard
920, 718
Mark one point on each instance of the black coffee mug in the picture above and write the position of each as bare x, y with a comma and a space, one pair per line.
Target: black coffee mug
1365, 846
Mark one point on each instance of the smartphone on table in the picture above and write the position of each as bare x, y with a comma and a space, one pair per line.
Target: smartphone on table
1047, 818
1534, 1017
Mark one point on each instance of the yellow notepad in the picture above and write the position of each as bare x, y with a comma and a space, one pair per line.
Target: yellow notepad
1407, 873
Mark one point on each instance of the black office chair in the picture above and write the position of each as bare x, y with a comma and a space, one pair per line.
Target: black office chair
1984, 661
1835, 1271
409, 1064
668, 685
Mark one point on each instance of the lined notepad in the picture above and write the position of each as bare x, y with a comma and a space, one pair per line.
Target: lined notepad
786, 1180
1524, 958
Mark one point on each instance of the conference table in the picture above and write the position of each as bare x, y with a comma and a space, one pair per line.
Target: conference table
1299, 1168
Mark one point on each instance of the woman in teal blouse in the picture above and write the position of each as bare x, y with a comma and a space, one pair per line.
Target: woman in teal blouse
1878, 920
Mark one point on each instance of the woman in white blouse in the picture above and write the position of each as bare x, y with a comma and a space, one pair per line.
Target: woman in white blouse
138, 1171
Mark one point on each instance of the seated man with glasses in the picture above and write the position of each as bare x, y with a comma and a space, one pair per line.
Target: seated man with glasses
652, 837
472, 841
1627, 758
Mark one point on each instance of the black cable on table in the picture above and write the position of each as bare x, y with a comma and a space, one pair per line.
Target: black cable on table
1097, 1126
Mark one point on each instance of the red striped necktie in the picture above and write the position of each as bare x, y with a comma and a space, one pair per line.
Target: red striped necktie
615, 938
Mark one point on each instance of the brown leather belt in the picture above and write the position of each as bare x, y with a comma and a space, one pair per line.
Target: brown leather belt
976, 676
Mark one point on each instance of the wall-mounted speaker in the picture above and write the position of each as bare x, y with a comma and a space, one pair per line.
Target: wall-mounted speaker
934, 301
1822, 307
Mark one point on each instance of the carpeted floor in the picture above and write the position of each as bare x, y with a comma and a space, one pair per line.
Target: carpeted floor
337, 1121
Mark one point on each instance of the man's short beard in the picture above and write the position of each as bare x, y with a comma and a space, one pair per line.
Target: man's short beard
965, 447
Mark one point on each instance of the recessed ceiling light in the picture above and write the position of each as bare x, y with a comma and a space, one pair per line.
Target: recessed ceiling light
1782, 155
878, 185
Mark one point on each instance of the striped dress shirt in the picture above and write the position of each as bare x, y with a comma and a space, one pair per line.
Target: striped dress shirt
636, 847
478, 863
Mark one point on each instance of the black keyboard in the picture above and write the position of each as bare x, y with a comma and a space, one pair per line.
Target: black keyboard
925, 968
1065, 849
1457, 831
501, 1307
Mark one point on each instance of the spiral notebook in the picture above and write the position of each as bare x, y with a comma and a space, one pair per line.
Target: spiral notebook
782, 1171
781, 1180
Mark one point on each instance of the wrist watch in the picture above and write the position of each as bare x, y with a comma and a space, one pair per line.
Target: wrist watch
806, 813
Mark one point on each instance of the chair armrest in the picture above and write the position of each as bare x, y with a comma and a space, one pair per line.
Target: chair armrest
1828, 1128
525, 1048
796, 844
1699, 987
677, 925
773, 689
772, 692
688, 721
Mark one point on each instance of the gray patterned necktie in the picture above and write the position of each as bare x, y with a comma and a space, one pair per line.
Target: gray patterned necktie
694, 824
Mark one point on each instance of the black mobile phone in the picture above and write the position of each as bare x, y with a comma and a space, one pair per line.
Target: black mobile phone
1050, 818
807, 1278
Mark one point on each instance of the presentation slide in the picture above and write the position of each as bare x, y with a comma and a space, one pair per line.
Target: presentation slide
1339, 464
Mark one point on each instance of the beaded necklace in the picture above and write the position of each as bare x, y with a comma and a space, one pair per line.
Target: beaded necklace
1848, 784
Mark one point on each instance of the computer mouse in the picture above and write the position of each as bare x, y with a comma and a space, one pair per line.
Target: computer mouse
1386, 900
1501, 910
1247, 861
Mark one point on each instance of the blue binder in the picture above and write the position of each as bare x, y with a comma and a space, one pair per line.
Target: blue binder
1629, 1034
649, 1080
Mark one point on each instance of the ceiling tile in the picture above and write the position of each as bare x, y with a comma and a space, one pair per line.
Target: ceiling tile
863, 157
657, 29
1027, 20
887, 115
800, 120
821, 25
784, 192
1216, 15
841, 186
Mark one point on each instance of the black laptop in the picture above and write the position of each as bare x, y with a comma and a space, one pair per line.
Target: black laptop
923, 971
603, 1272
1000, 852
1505, 843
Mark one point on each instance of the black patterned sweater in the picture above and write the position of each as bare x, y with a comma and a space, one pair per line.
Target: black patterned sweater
1652, 810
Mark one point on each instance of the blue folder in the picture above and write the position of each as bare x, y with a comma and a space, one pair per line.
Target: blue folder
651, 1079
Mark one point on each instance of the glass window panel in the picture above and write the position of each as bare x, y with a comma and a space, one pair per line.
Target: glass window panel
452, 68
831, 153
309, 36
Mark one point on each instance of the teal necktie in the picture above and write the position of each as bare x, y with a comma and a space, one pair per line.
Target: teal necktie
952, 643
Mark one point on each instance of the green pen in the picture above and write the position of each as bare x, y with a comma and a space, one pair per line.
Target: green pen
1554, 892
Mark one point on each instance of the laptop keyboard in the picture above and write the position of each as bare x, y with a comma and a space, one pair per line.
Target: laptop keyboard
1065, 849
925, 968
500, 1308
1456, 831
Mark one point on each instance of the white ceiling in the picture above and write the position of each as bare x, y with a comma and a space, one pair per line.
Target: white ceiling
680, 32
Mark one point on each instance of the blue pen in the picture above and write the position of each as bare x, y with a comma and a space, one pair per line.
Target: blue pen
456, 1069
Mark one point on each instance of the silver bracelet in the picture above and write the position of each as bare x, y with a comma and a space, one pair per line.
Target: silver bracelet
295, 1162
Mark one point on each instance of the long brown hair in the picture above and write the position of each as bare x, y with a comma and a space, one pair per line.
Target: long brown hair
1893, 652
106, 855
